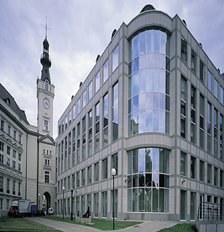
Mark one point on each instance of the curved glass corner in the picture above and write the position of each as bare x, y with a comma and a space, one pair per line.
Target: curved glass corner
149, 100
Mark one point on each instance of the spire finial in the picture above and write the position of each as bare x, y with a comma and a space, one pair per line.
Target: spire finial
46, 28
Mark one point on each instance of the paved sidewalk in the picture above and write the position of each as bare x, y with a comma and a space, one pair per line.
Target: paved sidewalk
146, 226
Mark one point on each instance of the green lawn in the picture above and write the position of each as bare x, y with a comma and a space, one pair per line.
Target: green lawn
21, 224
183, 227
97, 223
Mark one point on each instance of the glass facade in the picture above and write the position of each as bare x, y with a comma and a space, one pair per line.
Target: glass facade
148, 180
148, 104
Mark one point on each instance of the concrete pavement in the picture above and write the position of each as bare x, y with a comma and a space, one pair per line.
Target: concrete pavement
146, 226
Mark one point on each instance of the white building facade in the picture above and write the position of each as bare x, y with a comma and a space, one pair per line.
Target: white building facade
152, 108
27, 153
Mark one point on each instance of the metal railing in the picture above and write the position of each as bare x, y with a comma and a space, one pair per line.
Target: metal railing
210, 211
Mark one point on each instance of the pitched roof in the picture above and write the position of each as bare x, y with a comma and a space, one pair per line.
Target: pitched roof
7, 97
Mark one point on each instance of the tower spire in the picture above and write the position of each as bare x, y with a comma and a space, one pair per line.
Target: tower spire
45, 59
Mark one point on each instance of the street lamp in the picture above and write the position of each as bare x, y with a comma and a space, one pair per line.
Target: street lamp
63, 189
113, 172
71, 204
38, 202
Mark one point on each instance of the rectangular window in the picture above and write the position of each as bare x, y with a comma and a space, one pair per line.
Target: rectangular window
115, 116
73, 181
1, 184
46, 126
77, 180
1, 158
97, 81
2, 125
90, 132
14, 164
104, 204
14, 154
183, 49
19, 156
8, 150
201, 71
1, 203
78, 106
115, 57
1, 146
215, 176
114, 162
209, 173
14, 187
8, 186
209, 117
104, 168
105, 71
14, 134
193, 114
9, 130
183, 107
221, 179
221, 137
83, 138
215, 88
47, 177
221, 96
202, 170
96, 171
183, 163
105, 119
201, 120
96, 204
84, 98
193, 167
78, 142
209, 80
97, 127
19, 189
193, 61
89, 175
83, 177
90, 90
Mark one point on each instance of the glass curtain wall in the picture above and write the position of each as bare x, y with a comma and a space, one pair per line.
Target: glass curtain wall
148, 180
149, 101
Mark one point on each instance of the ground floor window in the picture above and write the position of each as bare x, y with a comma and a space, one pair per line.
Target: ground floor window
148, 180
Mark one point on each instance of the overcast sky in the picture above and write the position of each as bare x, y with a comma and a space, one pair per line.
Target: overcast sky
79, 31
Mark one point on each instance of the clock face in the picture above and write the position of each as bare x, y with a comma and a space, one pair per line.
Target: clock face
46, 103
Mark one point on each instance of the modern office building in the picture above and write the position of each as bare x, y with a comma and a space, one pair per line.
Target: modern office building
152, 108
27, 153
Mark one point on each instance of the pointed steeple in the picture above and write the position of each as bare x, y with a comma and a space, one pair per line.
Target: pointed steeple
45, 60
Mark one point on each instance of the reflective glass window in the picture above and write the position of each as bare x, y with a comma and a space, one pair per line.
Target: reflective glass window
148, 180
148, 104
97, 81
115, 57
105, 71
209, 81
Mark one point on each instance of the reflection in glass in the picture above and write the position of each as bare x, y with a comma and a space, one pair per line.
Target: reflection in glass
148, 180
148, 104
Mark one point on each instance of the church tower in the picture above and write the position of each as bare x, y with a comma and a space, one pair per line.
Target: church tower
45, 94
46, 144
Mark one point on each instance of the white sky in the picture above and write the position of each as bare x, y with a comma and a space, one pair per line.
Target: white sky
79, 31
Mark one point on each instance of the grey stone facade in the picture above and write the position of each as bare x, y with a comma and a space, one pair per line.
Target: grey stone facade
180, 198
